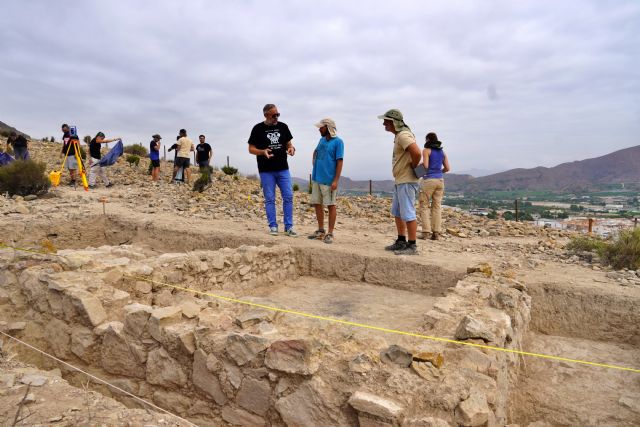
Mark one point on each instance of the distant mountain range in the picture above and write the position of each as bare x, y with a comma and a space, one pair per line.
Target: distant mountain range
622, 166
5, 128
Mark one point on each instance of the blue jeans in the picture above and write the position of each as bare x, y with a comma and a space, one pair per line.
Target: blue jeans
20, 153
269, 181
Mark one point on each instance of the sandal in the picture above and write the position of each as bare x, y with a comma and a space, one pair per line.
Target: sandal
328, 238
317, 235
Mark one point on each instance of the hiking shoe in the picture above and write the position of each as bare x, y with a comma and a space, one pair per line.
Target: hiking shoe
328, 238
109, 185
273, 231
72, 183
92, 186
424, 235
434, 236
409, 249
317, 235
396, 246
291, 233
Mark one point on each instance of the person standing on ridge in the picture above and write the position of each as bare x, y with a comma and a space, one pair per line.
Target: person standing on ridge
203, 153
406, 156
20, 146
71, 163
94, 158
154, 156
432, 187
327, 167
271, 141
185, 147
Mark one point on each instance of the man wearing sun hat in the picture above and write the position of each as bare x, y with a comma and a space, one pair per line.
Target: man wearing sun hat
327, 167
406, 156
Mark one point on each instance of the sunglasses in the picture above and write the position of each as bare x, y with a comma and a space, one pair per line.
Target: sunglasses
275, 116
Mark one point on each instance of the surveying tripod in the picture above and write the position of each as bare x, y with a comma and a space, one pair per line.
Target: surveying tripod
55, 175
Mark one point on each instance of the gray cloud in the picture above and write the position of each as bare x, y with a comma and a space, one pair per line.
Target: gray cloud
505, 84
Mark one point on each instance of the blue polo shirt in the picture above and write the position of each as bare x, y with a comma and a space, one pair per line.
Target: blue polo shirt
327, 155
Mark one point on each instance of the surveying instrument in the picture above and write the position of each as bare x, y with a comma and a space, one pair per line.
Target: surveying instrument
74, 143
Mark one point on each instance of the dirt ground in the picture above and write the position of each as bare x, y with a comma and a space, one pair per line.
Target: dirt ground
578, 312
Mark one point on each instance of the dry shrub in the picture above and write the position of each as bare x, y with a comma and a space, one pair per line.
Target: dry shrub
137, 150
586, 244
132, 159
624, 252
24, 177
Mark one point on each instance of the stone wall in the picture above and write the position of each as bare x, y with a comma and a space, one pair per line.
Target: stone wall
213, 361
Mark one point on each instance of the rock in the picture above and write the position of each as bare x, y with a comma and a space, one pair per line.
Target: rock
82, 341
292, 356
34, 380
375, 405
361, 364
473, 411
630, 403
174, 402
396, 355
136, 318
89, 307
58, 335
253, 316
472, 328
190, 309
163, 317
120, 355
483, 268
244, 348
30, 398
163, 298
14, 327
240, 417
314, 403
425, 422
233, 374
163, 370
30, 197
436, 359
204, 380
7, 380
143, 287
254, 395
425, 370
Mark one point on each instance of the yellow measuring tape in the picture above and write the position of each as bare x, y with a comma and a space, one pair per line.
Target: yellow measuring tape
366, 326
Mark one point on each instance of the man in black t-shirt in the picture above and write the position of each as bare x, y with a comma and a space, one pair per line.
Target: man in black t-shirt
71, 163
20, 146
203, 153
271, 142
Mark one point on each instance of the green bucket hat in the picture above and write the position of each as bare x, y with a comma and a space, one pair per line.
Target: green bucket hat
398, 119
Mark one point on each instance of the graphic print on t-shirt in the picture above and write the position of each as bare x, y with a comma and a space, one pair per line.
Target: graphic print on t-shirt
274, 137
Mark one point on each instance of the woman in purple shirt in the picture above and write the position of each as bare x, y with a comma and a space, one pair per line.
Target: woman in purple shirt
432, 187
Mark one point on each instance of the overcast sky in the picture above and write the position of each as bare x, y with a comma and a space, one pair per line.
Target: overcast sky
504, 84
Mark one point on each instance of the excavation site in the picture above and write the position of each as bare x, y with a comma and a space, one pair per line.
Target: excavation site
225, 326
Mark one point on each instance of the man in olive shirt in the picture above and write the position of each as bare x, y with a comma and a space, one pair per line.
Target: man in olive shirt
406, 156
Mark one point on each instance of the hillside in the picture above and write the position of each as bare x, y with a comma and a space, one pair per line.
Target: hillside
613, 168
5, 129
621, 166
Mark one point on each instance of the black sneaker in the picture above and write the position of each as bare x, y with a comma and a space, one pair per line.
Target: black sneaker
109, 185
409, 249
397, 245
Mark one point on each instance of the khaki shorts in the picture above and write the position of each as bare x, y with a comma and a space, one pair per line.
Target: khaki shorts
322, 194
